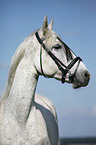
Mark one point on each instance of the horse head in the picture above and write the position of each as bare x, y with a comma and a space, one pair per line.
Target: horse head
57, 60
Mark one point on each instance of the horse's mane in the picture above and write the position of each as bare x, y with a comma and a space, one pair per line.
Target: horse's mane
14, 63
19, 54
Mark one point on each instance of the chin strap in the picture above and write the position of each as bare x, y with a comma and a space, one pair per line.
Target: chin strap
62, 67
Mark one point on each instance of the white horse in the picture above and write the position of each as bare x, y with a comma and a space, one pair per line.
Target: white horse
26, 118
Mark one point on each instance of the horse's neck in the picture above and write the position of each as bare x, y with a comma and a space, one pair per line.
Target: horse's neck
23, 90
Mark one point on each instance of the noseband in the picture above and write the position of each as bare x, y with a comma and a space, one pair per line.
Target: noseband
62, 67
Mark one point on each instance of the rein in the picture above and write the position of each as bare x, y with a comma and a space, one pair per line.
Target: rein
62, 67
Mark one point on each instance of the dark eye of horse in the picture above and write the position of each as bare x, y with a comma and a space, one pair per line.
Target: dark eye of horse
57, 46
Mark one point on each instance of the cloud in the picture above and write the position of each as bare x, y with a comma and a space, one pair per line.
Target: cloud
93, 112
70, 33
74, 111
1, 93
4, 66
78, 112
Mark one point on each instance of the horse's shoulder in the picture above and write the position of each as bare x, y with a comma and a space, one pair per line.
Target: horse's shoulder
45, 102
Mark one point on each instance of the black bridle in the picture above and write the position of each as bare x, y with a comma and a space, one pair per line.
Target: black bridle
62, 67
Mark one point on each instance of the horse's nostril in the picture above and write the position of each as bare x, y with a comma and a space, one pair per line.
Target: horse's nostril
87, 74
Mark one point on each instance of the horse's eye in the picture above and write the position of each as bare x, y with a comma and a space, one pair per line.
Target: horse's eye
57, 46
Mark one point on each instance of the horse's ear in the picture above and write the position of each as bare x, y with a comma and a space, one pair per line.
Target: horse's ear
45, 25
50, 26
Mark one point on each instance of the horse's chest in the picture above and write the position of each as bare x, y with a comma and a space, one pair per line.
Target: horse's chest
34, 131
36, 126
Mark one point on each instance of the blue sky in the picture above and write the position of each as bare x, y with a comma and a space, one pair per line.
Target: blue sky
75, 22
